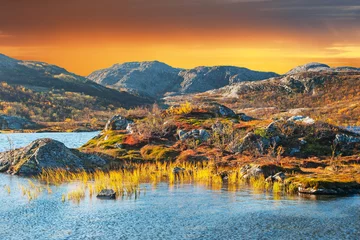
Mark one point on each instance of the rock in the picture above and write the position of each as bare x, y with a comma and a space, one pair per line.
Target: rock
15, 123
117, 122
244, 117
47, 154
280, 177
198, 134
347, 142
225, 111
346, 139
252, 143
107, 194
256, 171
204, 135
305, 120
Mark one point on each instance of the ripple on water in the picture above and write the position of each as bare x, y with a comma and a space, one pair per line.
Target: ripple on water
188, 211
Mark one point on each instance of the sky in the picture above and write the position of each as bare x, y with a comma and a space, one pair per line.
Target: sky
269, 35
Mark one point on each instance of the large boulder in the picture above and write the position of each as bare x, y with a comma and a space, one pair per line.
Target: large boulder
47, 153
117, 122
15, 123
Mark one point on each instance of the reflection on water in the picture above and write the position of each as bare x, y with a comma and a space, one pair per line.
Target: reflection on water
175, 212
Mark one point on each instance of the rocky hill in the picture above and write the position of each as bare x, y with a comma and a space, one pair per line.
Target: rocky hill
145, 78
202, 79
39, 75
318, 67
154, 79
318, 90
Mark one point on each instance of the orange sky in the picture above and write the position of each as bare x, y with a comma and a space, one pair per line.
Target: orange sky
85, 35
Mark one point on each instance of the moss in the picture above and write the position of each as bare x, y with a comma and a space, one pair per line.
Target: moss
316, 148
325, 182
158, 153
261, 132
106, 141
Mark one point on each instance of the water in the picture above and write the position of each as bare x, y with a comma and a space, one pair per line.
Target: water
177, 212
180, 212
71, 140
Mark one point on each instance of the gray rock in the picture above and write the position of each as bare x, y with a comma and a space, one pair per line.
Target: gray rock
107, 194
47, 154
252, 143
225, 111
117, 122
306, 120
198, 134
346, 139
244, 117
15, 123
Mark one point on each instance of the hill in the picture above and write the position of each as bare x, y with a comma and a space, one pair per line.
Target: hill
39, 75
324, 93
47, 93
155, 79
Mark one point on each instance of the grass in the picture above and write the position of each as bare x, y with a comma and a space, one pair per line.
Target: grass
158, 153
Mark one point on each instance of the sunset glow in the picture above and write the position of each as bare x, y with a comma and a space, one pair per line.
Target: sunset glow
83, 36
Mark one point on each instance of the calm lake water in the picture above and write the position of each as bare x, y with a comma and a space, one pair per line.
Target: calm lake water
177, 212
72, 140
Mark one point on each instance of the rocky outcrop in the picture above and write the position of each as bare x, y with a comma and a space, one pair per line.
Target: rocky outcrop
254, 144
47, 154
15, 123
118, 122
197, 134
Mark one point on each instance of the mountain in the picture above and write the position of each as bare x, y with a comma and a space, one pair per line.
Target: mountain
318, 67
151, 79
155, 79
39, 75
201, 79
330, 94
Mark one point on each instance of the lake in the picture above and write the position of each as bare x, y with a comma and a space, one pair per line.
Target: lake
170, 212
71, 140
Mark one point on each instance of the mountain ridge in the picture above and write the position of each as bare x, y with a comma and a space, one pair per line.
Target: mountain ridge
155, 79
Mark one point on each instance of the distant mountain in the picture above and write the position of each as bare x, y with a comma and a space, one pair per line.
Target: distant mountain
154, 79
151, 79
317, 90
44, 76
318, 67
202, 79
